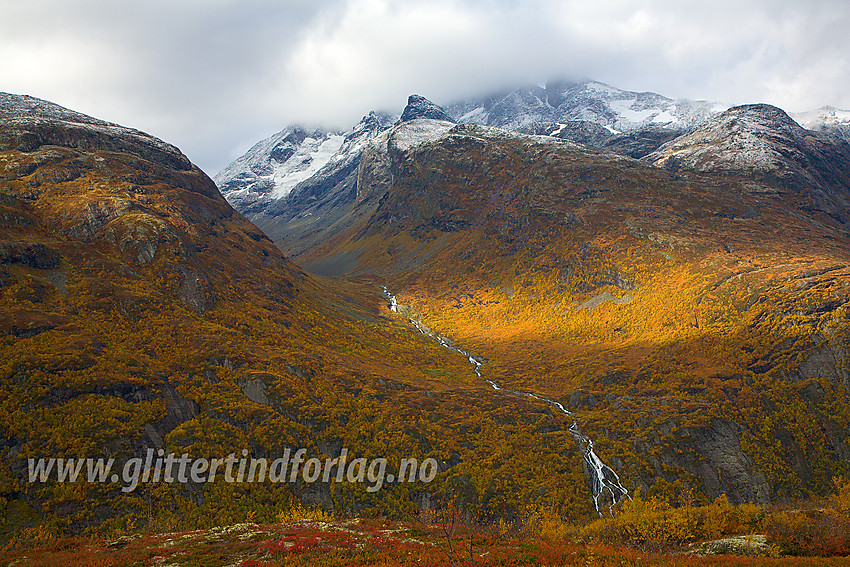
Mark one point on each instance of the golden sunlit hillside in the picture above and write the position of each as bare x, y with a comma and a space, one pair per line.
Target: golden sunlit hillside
140, 313
690, 309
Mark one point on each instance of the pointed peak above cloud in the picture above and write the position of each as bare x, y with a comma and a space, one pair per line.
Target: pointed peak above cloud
420, 107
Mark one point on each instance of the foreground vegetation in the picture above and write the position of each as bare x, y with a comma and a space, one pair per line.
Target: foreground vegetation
644, 532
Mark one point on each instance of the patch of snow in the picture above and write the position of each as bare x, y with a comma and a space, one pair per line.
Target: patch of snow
625, 110
475, 116
415, 132
559, 130
664, 118
312, 155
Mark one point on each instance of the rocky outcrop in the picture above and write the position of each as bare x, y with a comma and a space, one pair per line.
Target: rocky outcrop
420, 107
383, 154
746, 545
32, 254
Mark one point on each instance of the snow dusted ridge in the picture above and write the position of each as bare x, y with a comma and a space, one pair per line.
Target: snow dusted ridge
295, 173
822, 117
416, 132
762, 145
26, 116
272, 171
826, 119
273, 168
603, 479
755, 137
592, 101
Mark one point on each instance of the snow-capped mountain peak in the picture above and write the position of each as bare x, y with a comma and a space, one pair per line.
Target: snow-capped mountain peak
560, 102
273, 168
826, 119
295, 168
420, 107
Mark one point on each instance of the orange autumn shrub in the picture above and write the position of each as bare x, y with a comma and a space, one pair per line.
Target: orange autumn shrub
653, 525
821, 531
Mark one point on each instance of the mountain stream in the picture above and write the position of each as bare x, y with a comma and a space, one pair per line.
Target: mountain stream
601, 477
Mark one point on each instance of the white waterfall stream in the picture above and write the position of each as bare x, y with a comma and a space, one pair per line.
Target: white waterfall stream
602, 478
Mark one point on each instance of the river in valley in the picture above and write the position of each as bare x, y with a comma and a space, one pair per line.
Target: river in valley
602, 479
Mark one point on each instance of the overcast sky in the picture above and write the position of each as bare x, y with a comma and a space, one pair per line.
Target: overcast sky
215, 76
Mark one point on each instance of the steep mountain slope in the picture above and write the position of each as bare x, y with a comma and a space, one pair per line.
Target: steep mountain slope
295, 184
139, 312
270, 169
693, 310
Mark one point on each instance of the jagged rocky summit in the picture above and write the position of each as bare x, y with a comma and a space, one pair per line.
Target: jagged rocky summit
420, 107
289, 175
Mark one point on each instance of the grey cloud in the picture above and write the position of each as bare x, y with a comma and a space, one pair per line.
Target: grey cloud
214, 76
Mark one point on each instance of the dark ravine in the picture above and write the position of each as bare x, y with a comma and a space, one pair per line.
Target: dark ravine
601, 478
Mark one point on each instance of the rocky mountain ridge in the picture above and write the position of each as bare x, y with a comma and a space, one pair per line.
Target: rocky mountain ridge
767, 147
30, 123
615, 109
624, 122
259, 183
275, 167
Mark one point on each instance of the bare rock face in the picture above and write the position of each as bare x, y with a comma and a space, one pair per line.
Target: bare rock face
193, 290
375, 173
420, 107
725, 468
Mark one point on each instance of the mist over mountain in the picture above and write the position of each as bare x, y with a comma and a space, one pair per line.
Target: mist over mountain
294, 184
273, 168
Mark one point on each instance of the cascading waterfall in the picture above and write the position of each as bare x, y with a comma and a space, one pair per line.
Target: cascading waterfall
602, 478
